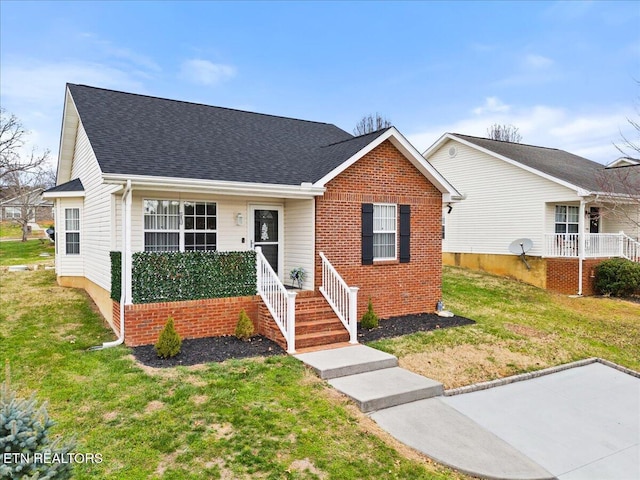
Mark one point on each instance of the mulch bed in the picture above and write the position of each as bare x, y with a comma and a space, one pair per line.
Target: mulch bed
218, 349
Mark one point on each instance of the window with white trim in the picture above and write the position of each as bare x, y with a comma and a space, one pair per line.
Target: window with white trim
567, 219
72, 231
384, 231
172, 225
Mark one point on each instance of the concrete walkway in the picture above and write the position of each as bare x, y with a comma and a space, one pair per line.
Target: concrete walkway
580, 423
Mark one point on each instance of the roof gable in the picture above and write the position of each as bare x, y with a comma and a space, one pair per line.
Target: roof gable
567, 169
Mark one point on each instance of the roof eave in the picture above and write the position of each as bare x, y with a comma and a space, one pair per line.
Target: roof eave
219, 187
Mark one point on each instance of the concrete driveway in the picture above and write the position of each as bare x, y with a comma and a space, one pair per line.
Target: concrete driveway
578, 423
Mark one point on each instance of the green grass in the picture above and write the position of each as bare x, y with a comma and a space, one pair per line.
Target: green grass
519, 328
252, 418
17, 252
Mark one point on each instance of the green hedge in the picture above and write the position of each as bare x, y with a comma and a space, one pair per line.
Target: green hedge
618, 277
116, 275
176, 276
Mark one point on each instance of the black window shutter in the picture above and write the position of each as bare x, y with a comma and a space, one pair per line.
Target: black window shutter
367, 233
405, 233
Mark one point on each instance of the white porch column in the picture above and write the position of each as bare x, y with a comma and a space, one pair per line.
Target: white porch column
581, 243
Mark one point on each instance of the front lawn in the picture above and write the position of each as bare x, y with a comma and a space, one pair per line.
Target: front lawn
253, 418
519, 328
21, 253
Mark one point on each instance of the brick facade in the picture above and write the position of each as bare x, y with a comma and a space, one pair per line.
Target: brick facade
192, 319
562, 275
384, 175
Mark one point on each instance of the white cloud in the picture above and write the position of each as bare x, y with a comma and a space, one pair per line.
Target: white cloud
204, 72
590, 134
536, 62
491, 105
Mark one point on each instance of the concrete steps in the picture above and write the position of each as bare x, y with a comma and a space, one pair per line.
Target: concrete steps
371, 378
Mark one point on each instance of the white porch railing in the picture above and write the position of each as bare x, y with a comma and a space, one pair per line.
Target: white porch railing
596, 245
342, 298
280, 302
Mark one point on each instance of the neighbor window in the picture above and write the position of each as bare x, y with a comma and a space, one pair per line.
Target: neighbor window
172, 225
72, 230
567, 218
384, 232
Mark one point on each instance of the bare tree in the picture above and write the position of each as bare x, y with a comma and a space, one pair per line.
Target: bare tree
371, 123
504, 133
12, 140
620, 185
24, 188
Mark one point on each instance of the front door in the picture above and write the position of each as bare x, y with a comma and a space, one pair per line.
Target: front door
594, 220
266, 232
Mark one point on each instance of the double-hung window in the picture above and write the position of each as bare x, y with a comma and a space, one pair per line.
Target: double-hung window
566, 219
72, 231
384, 231
172, 225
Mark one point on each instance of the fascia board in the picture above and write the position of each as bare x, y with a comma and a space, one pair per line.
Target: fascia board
216, 186
63, 195
408, 150
580, 191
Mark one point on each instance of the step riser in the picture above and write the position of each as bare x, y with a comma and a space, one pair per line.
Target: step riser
355, 369
327, 339
399, 399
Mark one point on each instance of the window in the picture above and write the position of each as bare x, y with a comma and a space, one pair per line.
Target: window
164, 229
384, 232
567, 218
199, 226
72, 230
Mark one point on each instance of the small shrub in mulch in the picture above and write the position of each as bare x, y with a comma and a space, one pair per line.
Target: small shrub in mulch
218, 349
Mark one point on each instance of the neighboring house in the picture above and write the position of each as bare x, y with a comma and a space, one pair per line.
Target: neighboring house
28, 205
555, 199
139, 173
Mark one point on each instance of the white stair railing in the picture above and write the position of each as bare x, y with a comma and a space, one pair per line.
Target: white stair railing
342, 298
630, 248
280, 302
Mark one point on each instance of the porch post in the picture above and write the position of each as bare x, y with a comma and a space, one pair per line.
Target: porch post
291, 322
353, 314
581, 244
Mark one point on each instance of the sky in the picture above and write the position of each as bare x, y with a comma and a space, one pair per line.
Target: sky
566, 74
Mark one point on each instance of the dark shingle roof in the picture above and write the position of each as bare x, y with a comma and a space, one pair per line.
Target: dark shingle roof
74, 185
562, 165
141, 135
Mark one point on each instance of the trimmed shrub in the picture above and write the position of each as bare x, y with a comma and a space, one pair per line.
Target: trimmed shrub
618, 277
370, 319
169, 342
24, 439
244, 328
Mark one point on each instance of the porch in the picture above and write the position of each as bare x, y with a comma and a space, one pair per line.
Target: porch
592, 245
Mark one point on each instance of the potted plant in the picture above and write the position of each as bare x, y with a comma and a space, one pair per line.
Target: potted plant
297, 275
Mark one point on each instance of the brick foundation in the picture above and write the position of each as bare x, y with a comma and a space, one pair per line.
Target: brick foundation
192, 319
383, 175
562, 275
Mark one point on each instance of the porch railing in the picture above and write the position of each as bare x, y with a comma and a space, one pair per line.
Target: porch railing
342, 298
595, 245
280, 302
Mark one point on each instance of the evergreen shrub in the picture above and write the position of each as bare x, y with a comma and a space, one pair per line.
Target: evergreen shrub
618, 277
370, 319
169, 342
244, 328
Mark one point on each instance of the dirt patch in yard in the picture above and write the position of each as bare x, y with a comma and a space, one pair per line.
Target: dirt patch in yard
467, 364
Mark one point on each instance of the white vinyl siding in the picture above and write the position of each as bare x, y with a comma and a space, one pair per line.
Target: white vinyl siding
95, 215
384, 231
299, 239
68, 265
503, 202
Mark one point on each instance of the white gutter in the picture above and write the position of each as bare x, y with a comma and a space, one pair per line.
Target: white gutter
304, 190
124, 266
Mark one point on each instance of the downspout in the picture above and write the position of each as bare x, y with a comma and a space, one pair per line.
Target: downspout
581, 244
124, 266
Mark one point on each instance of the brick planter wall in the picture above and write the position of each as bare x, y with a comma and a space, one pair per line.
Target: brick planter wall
562, 275
192, 319
384, 175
